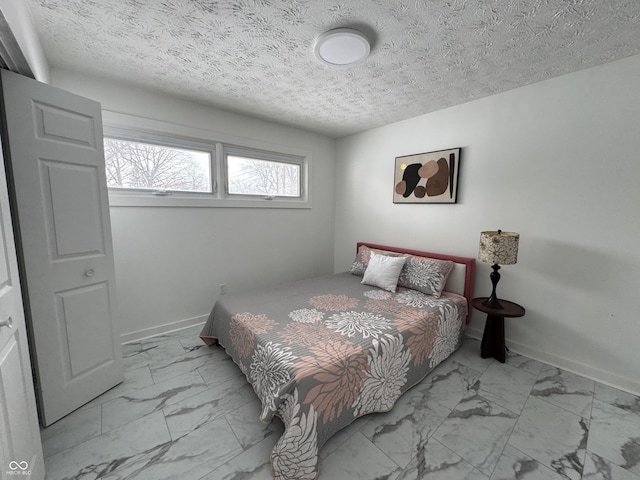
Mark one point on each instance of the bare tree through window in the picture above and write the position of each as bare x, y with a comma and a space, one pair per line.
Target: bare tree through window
251, 176
139, 165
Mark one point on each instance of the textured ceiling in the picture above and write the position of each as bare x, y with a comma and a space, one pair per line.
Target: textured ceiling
256, 56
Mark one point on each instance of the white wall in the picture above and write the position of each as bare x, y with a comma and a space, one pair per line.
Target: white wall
20, 21
170, 261
556, 161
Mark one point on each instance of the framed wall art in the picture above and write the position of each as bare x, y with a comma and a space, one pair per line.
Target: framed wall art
427, 177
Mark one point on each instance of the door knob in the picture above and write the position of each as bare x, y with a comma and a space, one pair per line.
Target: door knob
89, 273
7, 323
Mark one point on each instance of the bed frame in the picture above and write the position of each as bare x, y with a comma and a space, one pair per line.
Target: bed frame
469, 263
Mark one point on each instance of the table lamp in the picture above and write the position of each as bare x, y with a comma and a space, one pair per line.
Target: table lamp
499, 248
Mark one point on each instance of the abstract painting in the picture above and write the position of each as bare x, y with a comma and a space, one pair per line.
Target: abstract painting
427, 177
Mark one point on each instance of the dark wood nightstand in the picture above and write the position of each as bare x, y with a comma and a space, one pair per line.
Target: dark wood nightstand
493, 336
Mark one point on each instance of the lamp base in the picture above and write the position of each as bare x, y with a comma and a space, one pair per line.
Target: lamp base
492, 301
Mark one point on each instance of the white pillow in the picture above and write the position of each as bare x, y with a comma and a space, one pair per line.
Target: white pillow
383, 271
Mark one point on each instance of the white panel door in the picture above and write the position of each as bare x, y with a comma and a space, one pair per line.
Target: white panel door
20, 447
58, 173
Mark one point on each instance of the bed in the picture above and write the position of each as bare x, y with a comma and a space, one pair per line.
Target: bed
322, 352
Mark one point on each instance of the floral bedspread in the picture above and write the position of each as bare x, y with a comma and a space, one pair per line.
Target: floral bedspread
321, 352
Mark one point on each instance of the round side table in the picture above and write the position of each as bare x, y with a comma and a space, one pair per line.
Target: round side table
493, 336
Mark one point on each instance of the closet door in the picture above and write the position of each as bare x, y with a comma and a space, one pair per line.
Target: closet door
58, 176
20, 448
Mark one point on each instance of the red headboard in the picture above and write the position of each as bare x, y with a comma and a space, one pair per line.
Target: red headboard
469, 263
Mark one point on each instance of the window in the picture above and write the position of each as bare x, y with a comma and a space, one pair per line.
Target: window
152, 166
150, 169
259, 174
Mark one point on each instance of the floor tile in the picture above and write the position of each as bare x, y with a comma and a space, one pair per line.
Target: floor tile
357, 459
184, 363
448, 383
144, 401
133, 380
219, 369
403, 431
598, 468
553, 436
469, 355
434, 461
504, 373
71, 430
524, 363
506, 385
617, 398
477, 430
134, 356
131, 348
185, 415
248, 429
615, 435
343, 436
189, 457
163, 352
152, 352
567, 390
252, 464
106, 453
193, 343
515, 465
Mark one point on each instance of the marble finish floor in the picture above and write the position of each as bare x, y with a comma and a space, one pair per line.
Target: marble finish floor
185, 411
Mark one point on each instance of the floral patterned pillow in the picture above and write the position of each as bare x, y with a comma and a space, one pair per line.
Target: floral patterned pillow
364, 255
426, 275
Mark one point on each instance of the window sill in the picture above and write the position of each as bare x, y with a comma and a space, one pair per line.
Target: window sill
120, 199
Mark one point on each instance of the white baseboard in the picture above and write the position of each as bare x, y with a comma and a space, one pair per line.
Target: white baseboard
161, 329
588, 371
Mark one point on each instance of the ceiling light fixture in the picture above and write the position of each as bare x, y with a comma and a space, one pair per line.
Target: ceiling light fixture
342, 46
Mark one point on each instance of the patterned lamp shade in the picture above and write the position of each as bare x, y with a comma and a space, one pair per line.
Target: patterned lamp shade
499, 247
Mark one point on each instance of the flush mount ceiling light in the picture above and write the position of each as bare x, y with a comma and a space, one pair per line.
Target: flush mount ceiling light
342, 46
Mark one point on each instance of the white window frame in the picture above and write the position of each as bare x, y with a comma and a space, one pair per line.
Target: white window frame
253, 153
164, 141
128, 197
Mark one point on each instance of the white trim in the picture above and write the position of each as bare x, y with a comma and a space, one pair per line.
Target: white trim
137, 199
10, 52
120, 122
607, 378
162, 329
157, 138
25, 47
